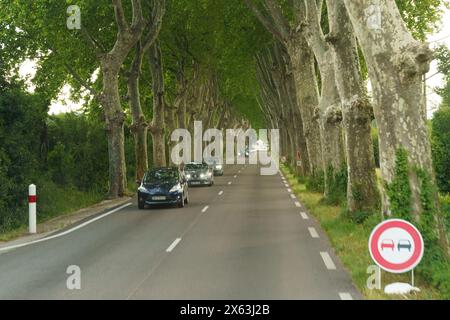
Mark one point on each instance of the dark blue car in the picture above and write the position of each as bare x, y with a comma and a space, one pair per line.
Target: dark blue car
163, 186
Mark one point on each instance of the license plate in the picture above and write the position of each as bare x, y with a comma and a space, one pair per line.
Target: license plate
158, 198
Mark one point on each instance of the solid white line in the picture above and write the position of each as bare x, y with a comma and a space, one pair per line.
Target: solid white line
221, 193
297, 204
293, 196
328, 261
313, 232
205, 209
345, 296
173, 245
67, 231
304, 215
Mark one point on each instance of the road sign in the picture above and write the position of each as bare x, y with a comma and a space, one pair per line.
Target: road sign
396, 246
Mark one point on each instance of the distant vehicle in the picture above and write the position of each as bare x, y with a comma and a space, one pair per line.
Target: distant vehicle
166, 186
404, 244
388, 244
216, 164
198, 174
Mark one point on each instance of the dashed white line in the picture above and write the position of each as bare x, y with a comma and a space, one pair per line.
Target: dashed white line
293, 196
304, 215
297, 204
328, 261
313, 232
289, 190
229, 182
173, 245
205, 209
221, 193
235, 177
345, 296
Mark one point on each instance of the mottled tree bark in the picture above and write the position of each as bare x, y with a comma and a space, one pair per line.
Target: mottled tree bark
329, 101
139, 127
157, 126
109, 98
396, 63
362, 191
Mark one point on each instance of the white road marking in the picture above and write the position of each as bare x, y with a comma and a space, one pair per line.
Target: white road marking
221, 193
205, 209
293, 196
67, 231
286, 185
297, 204
328, 261
235, 177
304, 215
229, 182
173, 245
345, 296
313, 232
289, 190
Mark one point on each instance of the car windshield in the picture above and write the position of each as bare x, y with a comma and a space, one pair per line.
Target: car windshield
161, 175
196, 166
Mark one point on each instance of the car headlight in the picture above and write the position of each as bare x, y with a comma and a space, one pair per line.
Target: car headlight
176, 188
188, 176
202, 176
143, 190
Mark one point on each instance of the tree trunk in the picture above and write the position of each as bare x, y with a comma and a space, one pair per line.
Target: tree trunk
308, 99
158, 123
362, 191
396, 64
114, 119
139, 126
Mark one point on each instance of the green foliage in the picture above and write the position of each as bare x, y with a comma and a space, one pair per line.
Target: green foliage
421, 16
316, 182
376, 147
337, 186
440, 138
399, 191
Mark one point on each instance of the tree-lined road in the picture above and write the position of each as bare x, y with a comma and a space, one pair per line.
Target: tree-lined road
244, 240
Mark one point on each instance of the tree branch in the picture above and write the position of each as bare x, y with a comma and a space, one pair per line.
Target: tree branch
120, 16
280, 22
269, 25
80, 80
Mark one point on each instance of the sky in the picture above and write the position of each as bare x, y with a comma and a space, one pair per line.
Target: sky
64, 104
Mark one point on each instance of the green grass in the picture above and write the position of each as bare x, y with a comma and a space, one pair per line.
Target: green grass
350, 241
53, 202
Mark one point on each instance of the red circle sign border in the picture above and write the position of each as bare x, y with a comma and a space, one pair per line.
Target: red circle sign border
386, 265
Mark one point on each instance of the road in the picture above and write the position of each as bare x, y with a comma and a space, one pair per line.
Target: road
245, 238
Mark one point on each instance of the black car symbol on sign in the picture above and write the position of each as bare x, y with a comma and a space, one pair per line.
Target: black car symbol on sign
404, 244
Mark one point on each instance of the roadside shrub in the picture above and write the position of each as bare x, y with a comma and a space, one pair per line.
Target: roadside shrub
337, 189
441, 148
316, 182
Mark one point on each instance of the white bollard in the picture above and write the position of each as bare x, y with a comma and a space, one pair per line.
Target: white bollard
32, 208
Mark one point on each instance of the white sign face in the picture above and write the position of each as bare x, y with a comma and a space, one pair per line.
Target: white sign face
396, 246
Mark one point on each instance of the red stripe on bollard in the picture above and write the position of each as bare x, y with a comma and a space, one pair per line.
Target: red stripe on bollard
32, 199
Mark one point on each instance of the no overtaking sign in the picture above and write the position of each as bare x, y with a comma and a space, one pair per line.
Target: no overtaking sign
396, 246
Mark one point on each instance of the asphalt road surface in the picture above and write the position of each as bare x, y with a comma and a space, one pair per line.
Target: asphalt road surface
244, 238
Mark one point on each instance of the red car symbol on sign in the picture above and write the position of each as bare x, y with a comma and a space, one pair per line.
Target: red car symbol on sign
388, 244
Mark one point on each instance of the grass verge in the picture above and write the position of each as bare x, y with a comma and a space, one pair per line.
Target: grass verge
350, 241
